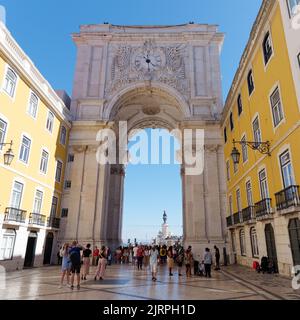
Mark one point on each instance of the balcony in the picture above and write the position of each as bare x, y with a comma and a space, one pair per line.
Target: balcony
229, 221
37, 219
53, 223
237, 218
288, 198
263, 209
15, 215
248, 214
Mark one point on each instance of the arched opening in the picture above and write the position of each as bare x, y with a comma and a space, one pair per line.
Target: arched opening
152, 187
48, 248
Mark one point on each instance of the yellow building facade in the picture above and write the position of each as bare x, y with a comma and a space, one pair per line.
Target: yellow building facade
262, 107
35, 118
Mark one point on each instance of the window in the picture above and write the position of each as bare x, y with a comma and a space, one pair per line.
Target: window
249, 193
242, 242
292, 6
256, 131
244, 149
33, 105
264, 190
276, 107
286, 169
267, 47
10, 82
250, 82
44, 161
7, 244
58, 171
64, 212
228, 169
240, 104
38, 200
3, 126
238, 200
231, 121
50, 122
16, 195
25, 149
254, 243
71, 158
230, 205
63, 135
68, 184
225, 135
53, 207
298, 59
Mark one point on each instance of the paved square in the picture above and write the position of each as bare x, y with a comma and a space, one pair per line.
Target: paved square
124, 282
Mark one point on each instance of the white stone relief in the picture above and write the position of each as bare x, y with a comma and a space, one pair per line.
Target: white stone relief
165, 64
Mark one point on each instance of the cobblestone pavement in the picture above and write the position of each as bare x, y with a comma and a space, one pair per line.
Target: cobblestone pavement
124, 282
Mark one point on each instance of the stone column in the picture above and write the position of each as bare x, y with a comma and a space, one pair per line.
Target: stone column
214, 221
115, 206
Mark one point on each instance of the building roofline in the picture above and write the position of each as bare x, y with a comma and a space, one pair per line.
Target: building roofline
265, 8
15, 54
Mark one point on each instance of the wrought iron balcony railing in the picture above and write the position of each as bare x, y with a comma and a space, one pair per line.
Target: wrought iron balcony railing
287, 198
229, 221
53, 223
15, 215
263, 208
248, 214
237, 218
37, 219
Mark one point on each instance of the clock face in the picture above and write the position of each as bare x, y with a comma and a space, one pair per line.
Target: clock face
149, 60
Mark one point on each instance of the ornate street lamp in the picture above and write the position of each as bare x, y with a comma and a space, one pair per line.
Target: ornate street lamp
8, 155
262, 147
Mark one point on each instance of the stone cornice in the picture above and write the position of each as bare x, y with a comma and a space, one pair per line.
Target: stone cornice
26, 68
264, 12
186, 32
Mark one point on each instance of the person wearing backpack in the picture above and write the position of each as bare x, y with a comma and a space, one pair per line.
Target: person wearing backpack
75, 258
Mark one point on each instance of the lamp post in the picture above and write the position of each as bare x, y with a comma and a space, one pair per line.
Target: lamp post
8, 155
262, 147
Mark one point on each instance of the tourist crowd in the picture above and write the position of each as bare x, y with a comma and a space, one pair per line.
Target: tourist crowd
76, 260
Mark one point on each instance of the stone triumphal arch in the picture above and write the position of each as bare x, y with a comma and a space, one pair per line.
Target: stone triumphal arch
150, 76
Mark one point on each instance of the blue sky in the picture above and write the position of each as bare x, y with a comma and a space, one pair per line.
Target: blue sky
43, 30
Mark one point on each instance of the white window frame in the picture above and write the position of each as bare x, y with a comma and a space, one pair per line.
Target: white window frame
51, 208
280, 110
50, 124
4, 132
286, 164
44, 168
230, 203
20, 182
265, 183
244, 149
249, 193
255, 136
58, 161
291, 9
254, 242
238, 200
7, 68
242, 239
63, 141
266, 63
38, 191
29, 108
8, 234
21, 152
